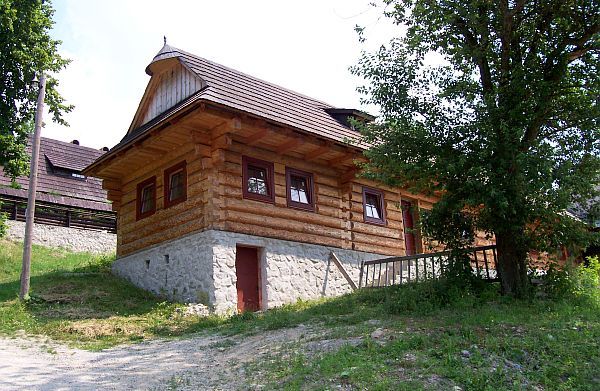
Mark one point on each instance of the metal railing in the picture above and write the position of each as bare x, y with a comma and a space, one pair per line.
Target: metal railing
418, 267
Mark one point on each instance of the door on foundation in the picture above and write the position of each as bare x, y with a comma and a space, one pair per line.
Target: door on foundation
409, 225
247, 271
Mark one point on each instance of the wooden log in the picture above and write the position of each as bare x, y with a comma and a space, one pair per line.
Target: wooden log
294, 215
277, 233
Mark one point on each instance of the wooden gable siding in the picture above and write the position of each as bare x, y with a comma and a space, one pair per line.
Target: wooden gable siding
165, 90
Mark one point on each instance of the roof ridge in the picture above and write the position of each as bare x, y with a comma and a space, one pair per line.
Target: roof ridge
194, 56
52, 140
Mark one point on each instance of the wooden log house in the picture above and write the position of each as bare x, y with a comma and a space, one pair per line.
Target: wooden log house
233, 191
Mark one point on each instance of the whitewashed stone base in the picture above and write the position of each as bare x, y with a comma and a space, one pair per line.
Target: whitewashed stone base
180, 269
201, 268
74, 239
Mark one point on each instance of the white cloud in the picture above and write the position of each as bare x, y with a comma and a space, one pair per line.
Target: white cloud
306, 46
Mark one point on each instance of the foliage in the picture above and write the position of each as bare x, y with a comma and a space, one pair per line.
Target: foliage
3, 226
26, 50
572, 283
492, 106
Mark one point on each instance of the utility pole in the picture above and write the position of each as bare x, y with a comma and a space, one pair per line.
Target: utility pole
35, 152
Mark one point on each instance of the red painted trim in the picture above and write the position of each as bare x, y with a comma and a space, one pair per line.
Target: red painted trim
408, 225
140, 186
379, 195
310, 188
270, 170
167, 184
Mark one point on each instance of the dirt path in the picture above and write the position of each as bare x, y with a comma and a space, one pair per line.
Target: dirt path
198, 363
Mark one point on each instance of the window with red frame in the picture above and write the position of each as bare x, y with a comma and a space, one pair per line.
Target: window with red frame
146, 198
373, 206
258, 179
175, 184
300, 189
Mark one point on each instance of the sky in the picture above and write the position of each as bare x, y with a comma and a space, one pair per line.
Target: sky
306, 46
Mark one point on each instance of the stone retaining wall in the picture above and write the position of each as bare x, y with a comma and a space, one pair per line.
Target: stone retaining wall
74, 239
201, 268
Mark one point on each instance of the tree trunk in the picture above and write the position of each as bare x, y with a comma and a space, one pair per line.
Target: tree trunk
512, 264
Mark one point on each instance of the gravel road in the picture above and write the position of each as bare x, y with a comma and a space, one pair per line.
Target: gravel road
198, 363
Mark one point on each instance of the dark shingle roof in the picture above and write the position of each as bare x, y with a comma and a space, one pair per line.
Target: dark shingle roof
239, 91
243, 92
57, 161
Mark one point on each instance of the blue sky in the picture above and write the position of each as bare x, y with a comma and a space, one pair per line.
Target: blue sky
306, 46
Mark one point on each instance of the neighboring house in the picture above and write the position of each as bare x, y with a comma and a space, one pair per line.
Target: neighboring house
65, 196
233, 191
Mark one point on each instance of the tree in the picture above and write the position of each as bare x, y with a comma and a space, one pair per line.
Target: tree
26, 50
493, 106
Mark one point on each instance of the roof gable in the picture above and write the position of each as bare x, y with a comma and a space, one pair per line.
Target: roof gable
171, 83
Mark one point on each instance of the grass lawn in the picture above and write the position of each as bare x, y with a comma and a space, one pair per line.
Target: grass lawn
477, 343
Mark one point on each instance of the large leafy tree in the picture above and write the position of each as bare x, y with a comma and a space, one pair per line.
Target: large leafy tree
493, 106
26, 50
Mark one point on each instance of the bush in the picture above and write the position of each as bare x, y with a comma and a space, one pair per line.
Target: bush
574, 282
3, 226
427, 296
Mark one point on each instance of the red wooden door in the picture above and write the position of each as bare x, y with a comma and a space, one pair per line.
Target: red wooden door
248, 279
409, 225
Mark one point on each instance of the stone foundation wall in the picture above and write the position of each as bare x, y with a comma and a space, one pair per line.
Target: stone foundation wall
289, 270
201, 268
74, 239
180, 269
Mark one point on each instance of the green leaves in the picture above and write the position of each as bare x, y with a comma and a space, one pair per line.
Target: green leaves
26, 50
504, 126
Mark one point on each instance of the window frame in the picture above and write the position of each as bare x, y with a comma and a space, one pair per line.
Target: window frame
289, 172
140, 188
181, 166
269, 167
380, 196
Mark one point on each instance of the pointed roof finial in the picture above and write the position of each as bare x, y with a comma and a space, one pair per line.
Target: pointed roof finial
165, 39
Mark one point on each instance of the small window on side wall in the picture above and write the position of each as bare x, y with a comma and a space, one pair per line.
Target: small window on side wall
258, 180
146, 198
373, 206
175, 184
300, 189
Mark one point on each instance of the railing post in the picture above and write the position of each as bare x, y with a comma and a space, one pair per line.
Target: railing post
360, 276
487, 268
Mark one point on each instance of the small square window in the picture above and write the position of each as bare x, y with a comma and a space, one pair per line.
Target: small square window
175, 184
258, 179
373, 206
300, 189
146, 198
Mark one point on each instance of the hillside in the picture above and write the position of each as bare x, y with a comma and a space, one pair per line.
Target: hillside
410, 337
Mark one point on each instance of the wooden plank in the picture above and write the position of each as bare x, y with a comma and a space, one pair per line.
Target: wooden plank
341, 268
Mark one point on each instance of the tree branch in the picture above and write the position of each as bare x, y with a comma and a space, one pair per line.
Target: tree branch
477, 55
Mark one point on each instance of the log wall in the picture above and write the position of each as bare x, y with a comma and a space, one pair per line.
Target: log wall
165, 223
215, 200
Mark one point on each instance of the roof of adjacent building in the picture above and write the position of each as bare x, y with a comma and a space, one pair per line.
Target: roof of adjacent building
248, 94
56, 184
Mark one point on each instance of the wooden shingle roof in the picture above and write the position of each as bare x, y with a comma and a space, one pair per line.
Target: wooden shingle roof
58, 161
239, 91
246, 93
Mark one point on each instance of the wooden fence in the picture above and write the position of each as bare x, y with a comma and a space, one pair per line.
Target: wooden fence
400, 270
60, 215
